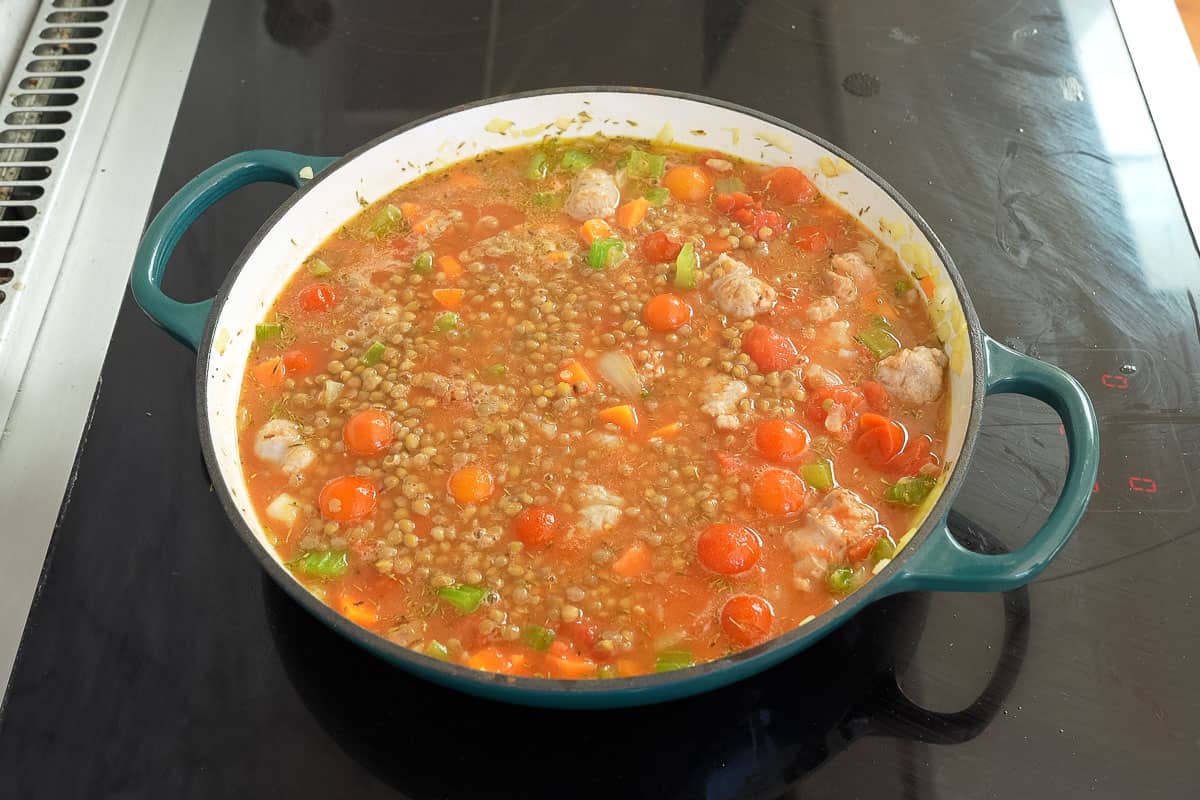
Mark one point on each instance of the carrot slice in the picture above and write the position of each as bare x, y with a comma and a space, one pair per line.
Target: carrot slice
667, 431
449, 298
623, 416
633, 212
717, 244
450, 266
927, 286
634, 561
360, 612
595, 229
572, 666
471, 485
270, 372
881, 439
462, 179
577, 375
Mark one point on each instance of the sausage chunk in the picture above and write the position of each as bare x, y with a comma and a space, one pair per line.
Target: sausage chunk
600, 508
279, 442
913, 376
593, 194
720, 399
831, 526
736, 291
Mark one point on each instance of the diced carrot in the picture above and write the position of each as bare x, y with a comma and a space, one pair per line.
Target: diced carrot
270, 372
627, 667
881, 439
687, 183
623, 416
717, 244
927, 286
449, 298
869, 420
360, 612
632, 213
595, 229
471, 485
572, 666
421, 226
450, 266
667, 431
577, 376
409, 209
295, 361
557, 255
493, 659
634, 561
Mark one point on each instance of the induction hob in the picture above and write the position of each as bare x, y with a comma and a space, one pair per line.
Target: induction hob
160, 662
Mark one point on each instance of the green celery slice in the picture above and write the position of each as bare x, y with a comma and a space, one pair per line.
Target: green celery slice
645, 165
266, 331
841, 580
879, 340
374, 354
465, 598
729, 185
687, 268
658, 196
818, 475
437, 650
319, 268
388, 222
670, 660
537, 637
910, 491
322, 564
574, 161
606, 252
538, 168
423, 262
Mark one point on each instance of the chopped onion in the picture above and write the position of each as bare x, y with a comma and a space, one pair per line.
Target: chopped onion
498, 126
617, 368
332, 391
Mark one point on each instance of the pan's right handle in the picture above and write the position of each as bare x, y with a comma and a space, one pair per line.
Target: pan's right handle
185, 321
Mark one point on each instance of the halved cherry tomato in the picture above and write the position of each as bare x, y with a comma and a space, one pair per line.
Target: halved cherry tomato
728, 549
536, 526
847, 396
780, 440
769, 349
667, 312
347, 499
779, 491
368, 433
789, 185
658, 247
318, 297
747, 618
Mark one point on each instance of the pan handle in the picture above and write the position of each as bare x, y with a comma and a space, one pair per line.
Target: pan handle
942, 564
185, 321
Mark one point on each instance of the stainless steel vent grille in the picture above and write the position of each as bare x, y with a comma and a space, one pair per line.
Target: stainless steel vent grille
53, 116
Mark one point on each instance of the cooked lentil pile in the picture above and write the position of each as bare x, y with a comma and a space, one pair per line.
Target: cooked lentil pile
593, 408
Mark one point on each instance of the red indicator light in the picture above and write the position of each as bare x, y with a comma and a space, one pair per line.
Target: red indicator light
1112, 381
1096, 487
1139, 484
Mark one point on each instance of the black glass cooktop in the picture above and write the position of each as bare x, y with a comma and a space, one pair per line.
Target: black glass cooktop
160, 662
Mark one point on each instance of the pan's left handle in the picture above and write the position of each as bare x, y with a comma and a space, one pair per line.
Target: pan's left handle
185, 321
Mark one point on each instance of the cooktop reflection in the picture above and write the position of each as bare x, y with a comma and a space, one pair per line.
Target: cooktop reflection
159, 662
